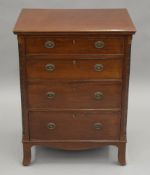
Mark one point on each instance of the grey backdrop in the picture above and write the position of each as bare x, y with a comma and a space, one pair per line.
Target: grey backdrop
100, 161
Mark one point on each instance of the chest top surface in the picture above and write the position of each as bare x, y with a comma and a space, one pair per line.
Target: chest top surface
74, 20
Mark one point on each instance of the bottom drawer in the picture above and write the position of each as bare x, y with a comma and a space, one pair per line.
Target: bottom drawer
89, 125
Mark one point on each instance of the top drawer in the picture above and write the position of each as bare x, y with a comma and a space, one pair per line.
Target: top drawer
43, 45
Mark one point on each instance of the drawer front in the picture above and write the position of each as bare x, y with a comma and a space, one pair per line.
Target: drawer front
76, 69
74, 125
80, 45
74, 95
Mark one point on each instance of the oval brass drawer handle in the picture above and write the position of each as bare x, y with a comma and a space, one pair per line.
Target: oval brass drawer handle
49, 44
51, 95
98, 95
51, 125
98, 126
50, 67
99, 44
98, 67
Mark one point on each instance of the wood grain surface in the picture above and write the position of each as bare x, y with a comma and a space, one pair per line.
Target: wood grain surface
74, 20
74, 69
74, 45
74, 125
74, 95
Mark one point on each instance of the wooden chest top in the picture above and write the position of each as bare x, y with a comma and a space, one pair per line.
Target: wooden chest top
74, 20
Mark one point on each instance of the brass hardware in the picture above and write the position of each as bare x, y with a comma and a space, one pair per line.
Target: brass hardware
50, 67
74, 115
49, 44
51, 125
98, 95
51, 95
98, 67
99, 44
98, 126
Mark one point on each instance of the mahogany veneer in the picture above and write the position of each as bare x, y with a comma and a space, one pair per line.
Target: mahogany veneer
74, 76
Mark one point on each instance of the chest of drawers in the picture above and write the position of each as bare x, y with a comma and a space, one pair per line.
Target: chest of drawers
74, 74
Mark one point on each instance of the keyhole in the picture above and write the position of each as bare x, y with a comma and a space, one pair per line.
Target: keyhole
74, 62
73, 41
74, 116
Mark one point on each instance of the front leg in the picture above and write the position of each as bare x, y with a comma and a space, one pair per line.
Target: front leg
26, 154
122, 153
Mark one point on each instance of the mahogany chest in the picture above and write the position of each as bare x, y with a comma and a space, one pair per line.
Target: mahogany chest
74, 77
